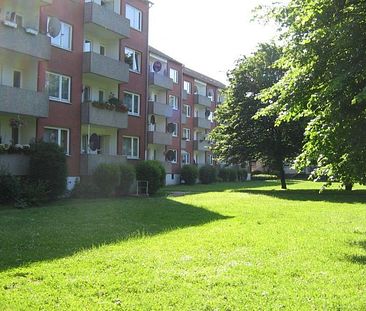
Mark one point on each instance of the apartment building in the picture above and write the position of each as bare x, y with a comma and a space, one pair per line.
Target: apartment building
67, 65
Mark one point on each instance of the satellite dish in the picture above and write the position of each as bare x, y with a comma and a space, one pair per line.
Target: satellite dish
152, 119
171, 127
54, 27
170, 155
94, 142
207, 113
157, 66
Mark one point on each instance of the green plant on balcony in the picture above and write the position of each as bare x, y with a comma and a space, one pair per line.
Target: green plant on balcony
14, 149
113, 104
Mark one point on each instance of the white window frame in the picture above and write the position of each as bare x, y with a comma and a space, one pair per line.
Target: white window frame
187, 110
186, 155
133, 102
90, 45
176, 130
135, 64
185, 132
136, 19
173, 74
176, 155
59, 129
59, 98
132, 157
61, 34
187, 86
175, 104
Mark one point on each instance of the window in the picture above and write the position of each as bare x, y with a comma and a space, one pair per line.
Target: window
187, 86
186, 158
211, 117
132, 101
173, 102
210, 159
173, 154
17, 79
186, 134
135, 17
175, 132
173, 74
87, 46
133, 60
187, 110
87, 93
130, 147
64, 38
58, 87
102, 50
58, 136
101, 96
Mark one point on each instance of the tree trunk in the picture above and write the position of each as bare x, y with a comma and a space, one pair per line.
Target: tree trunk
348, 186
283, 177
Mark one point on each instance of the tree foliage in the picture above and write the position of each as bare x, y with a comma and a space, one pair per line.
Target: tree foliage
240, 137
324, 60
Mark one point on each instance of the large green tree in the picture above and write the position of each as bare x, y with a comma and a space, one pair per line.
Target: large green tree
324, 60
239, 137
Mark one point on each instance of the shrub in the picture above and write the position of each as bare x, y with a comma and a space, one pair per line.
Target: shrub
9, 187
48, 166
242, 174
207, 174
149, 171
232, 174
127, 178
162, 172
189, 174
32, 194
85, 189
106, 178
223, 174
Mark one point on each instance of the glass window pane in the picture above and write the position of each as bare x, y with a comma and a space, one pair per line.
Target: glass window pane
128, 101
66, 36
50, 136
65, 88
136, 104
64, 141
135, 148
53, 85
126, 146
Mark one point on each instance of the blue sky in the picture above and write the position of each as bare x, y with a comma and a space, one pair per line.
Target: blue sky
210, 34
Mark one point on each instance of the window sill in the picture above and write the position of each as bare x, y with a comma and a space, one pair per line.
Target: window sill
59, 100
134, 115
61, 48
136, 72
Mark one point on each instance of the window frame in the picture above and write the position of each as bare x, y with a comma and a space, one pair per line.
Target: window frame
60, 76
134, 52
59, 130
133, 103
61, 34
187, 130
132, 157
173, 74
133, 21
176, 104
187, 112
176, 130
176, 156
185, 83
185, 154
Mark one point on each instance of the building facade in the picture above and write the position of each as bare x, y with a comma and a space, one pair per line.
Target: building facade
66, 66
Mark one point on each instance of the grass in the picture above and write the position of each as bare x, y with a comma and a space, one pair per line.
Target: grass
222, 247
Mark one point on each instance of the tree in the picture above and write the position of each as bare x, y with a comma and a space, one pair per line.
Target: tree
324, 60
239, 137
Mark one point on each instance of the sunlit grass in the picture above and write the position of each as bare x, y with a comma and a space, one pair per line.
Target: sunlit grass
222, 247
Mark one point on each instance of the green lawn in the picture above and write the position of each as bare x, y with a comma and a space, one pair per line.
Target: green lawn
221, 247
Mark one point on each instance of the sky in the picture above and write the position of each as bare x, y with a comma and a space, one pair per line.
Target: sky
207, 35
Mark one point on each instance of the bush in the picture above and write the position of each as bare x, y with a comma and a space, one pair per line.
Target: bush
85, 189
223, 174
161, 171
189, 174
242, 174
106, 178
48, 166
127, 178
232, 174
32, 194
207, 174
9, 187
149, 171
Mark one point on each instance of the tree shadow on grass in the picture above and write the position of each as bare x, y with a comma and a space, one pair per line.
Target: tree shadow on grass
67, 227
335, 196
358, 259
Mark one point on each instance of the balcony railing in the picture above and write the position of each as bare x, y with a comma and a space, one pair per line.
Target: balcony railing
104, 66
89, 162
160, 109
105, 19
160, 81
19, 41
24, 102
202, 100
104, 117
201, 145
159, 138
202, 123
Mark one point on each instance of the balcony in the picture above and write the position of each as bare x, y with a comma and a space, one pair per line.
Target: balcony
19, 41
103, 21
23, 102
159, 138
103, 117
160, 109
160, 81
104, 66
201, 145
202, 100
89, 162
16, 164
202, 123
